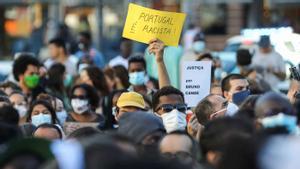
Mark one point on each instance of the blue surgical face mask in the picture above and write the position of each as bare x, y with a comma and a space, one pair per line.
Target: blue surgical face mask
41, 118
198, 46
288, 121
218, 73
137, 78
61, 116
239, 97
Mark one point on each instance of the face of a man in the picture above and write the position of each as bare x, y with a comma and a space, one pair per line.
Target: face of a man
136, 67
53, 50
220, 106
236, 85
172, 99
125, 109
31, 70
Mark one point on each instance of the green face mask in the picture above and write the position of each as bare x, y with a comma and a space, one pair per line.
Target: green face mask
32, 81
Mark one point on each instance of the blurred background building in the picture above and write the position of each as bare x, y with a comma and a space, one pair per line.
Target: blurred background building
28, 24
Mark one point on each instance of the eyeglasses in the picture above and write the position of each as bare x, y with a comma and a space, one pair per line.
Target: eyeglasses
169, 107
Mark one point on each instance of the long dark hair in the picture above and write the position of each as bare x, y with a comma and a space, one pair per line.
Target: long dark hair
98, 79
56, 77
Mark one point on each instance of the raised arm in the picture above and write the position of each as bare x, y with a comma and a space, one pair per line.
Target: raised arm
156, 47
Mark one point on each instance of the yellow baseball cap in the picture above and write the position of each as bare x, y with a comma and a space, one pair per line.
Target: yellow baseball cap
131, 99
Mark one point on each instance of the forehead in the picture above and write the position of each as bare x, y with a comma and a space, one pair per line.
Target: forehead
32, 68
238, 82
40, 107
171, 99
79, 91
216, 99
136, 65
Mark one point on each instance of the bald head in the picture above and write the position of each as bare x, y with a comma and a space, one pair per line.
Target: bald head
272, 103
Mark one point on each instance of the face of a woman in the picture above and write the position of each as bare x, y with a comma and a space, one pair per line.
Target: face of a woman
38, 109
17, 99
59, 105
84, 78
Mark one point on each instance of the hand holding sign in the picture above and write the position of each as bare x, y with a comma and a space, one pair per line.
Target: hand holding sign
156, 47
143, 24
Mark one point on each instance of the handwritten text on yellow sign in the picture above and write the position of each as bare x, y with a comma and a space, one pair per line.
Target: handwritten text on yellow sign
143, 24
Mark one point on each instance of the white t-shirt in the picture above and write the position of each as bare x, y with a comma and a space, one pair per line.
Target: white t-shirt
119, 60
70, 65
269, 60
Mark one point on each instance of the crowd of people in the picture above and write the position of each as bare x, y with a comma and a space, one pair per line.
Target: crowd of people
76, 112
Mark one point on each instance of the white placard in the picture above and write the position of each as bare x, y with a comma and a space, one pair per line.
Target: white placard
195, 81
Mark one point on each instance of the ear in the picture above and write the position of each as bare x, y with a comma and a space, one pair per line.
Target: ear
21, 77
226, 95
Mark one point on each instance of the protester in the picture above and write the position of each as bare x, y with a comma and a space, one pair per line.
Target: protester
137, 70
129, 102
58, 82
9, 115
143, 128
87, 51
122, 78
41, 112
20, 103
58, 53
84, 101
9, 87
270, 61
211, 107
126, 51
48, 131
235, 88
274, 110
181, 146
168, 103
26, 72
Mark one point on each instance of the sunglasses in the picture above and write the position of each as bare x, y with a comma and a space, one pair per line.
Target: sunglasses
78, 97
169, 107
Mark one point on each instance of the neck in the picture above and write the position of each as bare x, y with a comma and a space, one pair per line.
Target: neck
62, 58
24, 88
140, 89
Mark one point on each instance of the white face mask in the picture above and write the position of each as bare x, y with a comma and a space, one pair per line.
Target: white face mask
231, 109
174, 120
40, 119
80, 106
114, 111
62, 116
22, 110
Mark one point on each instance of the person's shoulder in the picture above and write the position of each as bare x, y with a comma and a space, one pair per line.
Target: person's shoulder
48, 63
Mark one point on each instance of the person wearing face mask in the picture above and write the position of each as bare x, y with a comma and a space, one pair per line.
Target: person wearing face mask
138, 77
84, 101
26, 72
235, 88
168, 104
41, 112
274, 110
19, 102
86, 49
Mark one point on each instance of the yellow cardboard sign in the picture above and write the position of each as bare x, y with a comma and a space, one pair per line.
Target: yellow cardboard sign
143, 24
